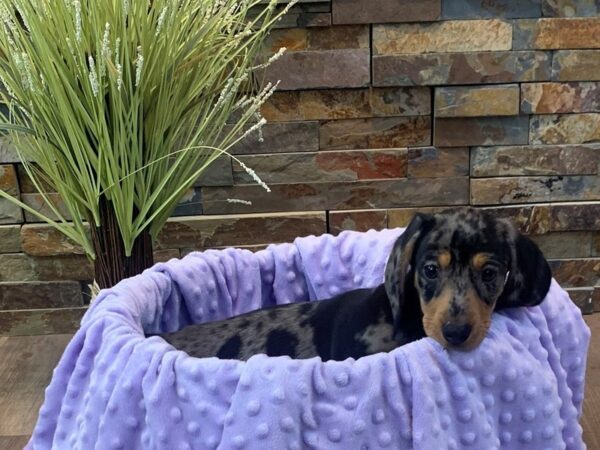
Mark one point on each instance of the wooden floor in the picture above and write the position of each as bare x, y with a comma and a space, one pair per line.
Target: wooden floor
26, 366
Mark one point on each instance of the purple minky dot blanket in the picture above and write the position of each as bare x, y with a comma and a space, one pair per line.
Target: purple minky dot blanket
114, 389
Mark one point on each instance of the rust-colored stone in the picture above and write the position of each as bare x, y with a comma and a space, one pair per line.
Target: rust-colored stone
8, 179
45, 240
352, 165
164, 255
22, 267
347, 104
565, 129
477, 101
376, 133
551, 98
442, 37
555, 34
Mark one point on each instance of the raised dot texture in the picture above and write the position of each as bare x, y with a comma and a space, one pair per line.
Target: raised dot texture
385, 439
508, 395
526, 437
465, 415
334, 435
262, 430
468, 438
287, 424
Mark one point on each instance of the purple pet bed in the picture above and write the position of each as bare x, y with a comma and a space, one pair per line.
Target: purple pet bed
114, 389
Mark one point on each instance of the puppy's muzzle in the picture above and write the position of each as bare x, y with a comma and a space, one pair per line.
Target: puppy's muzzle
456, 334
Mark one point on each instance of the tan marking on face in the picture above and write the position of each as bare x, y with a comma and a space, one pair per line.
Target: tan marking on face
435, 314
479, 316
479, 260
444, 259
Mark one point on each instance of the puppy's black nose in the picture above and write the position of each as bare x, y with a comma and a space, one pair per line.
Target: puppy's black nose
456, 334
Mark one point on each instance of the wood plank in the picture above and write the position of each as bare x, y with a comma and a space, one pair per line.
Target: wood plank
25, 371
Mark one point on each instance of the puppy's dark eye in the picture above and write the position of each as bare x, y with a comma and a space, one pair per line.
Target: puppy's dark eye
488, 274
431, 271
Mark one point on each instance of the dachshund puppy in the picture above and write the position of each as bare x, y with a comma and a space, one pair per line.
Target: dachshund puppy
446, 275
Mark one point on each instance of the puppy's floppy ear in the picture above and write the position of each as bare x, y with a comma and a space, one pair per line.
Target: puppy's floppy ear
530, 275
397, 279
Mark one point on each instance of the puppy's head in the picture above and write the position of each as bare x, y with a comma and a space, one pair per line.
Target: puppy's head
459, 267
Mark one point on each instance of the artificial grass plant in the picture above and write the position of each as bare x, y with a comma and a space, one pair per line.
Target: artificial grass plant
119, 106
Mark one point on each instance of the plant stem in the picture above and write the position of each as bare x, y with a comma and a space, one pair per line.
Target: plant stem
111, 264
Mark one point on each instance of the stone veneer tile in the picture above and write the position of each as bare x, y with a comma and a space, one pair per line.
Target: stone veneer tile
10, 239
477, 101
190, 204
328, 38
583, 298
218, 173
281, 137
556, 34
375, 133
8, 179
576, 65
476, 9
347, 104
372, 219
493, 191
546, 218
249, 229
535, 160
470, 131
37, 203
596, 243
442, 37
401, 217
570, 244
328, 196
552, 98
461, 68
40, 295
565, 129
384, 11
533, 219
350, 165
576, 272
8, 153
22, 267
570, 8
164, 255
434, 162
40, 321
45, 240
10, 213
321, 69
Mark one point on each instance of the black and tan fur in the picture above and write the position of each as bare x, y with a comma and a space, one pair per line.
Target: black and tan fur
446, 275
